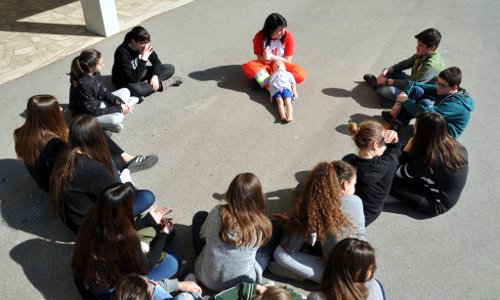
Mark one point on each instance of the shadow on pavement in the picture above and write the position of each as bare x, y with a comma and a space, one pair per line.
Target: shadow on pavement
231, 77
361, 93
25, 207
402, 209
46, 264
356, 118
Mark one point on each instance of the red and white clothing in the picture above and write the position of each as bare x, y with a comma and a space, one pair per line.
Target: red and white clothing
276, 47
260, 70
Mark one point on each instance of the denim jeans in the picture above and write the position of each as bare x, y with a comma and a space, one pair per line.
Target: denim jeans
165, 269
143, 200
415, 95
390, 93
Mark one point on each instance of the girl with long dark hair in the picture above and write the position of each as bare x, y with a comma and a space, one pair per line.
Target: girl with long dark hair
325, 212
82, 171
272, 43
349, 273
107, 247
89, 95
433, 169
42, 137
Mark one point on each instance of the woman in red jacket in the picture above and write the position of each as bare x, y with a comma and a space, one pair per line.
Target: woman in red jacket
270, 44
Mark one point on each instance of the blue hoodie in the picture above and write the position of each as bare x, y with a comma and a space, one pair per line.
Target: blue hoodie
455, 108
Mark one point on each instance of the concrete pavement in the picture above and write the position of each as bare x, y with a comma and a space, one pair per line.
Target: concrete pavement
215, 126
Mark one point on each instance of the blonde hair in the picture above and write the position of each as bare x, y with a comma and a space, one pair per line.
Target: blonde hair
366, 133
274, 293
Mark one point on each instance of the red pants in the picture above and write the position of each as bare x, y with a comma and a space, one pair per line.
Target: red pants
261, 71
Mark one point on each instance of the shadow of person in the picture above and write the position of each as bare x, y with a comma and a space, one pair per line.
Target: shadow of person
356, 118
231, 77
402, 209
26, 207
46, 264
361, 93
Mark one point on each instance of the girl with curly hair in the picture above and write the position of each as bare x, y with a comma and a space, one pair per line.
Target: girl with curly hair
234, 242
349, 273
325, 212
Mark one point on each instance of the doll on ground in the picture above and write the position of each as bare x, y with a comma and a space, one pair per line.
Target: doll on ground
283, 89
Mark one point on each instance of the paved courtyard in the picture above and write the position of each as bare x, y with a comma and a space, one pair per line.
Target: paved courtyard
215, 126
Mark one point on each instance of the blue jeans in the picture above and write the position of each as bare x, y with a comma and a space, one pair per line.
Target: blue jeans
143, 200
165, 269
390, 93
415, 95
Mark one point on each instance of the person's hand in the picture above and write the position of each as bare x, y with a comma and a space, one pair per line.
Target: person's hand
381, 80
295, 95
384, 72
146, 51
390, 136
267, 54
158, 214
408, 146
396, 108
125, 109
190, 287
167, 225
261, 289
402, 97
155, 83
283, 217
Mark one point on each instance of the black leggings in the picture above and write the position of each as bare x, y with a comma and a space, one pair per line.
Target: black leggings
145, 89
416, 195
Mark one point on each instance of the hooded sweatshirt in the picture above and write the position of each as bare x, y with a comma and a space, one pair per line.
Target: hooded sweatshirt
455, 108
374, 179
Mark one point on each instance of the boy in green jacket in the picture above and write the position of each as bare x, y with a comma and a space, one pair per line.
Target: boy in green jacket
425, 65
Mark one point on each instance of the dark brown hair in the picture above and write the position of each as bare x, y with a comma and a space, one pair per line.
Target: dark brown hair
350, 264
244, 213
452, 75
88, 59
139, 34
273, 21
429, 37
133, 287
106, 247
85, 138
44, 121
433, 141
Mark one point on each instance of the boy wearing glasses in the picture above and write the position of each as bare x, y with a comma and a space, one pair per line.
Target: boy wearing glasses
446, 97
425, 65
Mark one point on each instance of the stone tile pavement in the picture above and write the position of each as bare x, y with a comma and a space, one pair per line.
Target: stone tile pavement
36, 33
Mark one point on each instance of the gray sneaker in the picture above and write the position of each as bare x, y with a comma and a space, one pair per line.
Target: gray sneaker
173, 81
116, 128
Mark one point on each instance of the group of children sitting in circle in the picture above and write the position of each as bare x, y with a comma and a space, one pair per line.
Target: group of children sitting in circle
122, 236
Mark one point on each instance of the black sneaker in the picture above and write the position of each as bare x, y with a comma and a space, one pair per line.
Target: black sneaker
387, 116
371, 80
141, 163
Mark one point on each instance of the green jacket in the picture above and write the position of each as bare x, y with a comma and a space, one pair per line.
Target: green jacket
423, 69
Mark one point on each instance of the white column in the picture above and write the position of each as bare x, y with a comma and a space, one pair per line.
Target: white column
100, 16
